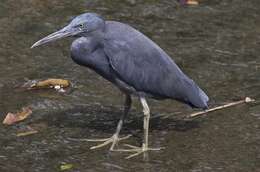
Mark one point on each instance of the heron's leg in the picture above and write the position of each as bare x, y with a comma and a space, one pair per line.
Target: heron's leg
146, 111
144, 148
115, 138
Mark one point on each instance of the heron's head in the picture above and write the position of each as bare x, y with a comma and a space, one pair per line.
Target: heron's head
81, 25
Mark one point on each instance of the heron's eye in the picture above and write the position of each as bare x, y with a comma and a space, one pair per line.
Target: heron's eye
81, 26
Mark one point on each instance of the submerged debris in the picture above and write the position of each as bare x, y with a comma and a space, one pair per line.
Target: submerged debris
12, 118
64, 167
29, 131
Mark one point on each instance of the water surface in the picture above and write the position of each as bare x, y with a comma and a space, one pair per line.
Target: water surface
215, 43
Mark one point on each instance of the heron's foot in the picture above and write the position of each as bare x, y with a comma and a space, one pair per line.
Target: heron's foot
114, 140
137, 150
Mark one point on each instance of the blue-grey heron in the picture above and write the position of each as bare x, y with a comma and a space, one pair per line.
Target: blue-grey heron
132, 62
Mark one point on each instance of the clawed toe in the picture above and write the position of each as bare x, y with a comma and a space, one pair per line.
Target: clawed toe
114, 140
137, 150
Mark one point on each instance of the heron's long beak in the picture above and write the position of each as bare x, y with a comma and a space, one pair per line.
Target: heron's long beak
65, 32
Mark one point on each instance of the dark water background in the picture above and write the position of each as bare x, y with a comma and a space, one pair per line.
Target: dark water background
215, 43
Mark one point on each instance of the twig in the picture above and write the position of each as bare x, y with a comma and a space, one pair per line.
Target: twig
246, 100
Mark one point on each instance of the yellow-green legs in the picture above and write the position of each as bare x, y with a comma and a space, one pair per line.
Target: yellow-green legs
115, 138
144, 148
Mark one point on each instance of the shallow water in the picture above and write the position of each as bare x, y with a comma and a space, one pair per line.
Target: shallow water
215, 43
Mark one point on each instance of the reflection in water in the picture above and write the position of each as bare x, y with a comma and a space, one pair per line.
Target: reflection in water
216, 43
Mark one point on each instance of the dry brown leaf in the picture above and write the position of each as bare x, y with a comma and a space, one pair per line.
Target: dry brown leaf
16, 117
51, 83
192, 2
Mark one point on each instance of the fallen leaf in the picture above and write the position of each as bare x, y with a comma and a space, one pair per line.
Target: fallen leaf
16, 117
26, 133
189, 2
64, 167
51, 83
192, 2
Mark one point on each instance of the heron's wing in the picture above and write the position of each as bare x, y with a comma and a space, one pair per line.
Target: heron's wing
147, 68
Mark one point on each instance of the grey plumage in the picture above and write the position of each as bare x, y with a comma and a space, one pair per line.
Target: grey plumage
129, 59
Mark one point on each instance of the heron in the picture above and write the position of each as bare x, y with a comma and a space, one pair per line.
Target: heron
131, 61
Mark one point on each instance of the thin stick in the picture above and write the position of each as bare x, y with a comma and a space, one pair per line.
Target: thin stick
246, 100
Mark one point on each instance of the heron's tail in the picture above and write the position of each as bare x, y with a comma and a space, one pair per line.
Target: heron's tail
204, 98
196, 97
